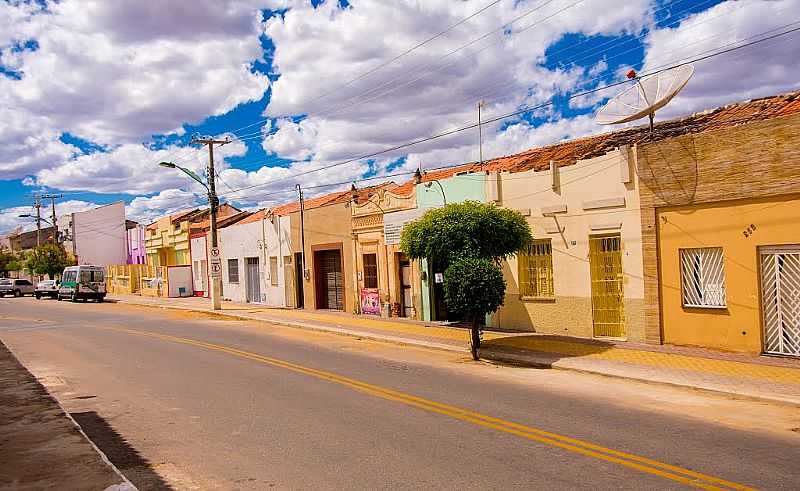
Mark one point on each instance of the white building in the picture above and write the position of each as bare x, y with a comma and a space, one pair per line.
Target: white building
97, 236
254, 263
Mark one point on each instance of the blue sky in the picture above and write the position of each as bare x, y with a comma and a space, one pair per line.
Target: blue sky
95, 104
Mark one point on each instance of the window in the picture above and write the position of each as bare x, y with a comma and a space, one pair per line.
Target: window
703, 277
91, 276
233, 271
273, 270
370, 270
535, 264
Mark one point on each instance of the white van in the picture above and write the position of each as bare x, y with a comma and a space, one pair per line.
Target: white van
83, 282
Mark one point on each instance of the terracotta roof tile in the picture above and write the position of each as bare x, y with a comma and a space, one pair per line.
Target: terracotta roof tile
569, 152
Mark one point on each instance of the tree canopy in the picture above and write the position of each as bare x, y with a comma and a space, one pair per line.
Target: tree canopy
49, 259
468, 229
468, 240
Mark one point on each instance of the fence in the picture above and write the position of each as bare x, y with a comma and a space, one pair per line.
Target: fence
137, 279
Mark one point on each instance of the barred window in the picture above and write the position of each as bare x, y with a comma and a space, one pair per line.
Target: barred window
703, 277
370, 270
535, 264
233, 271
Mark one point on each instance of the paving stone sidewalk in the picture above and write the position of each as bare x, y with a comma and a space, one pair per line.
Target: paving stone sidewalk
769, 378
40, 446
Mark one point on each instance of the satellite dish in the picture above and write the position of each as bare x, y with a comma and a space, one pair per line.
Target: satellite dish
645, 96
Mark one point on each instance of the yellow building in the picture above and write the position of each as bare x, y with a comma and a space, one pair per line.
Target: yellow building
720, 213
725, 267
167, 239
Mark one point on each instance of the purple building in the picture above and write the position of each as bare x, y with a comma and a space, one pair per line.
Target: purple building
134, 239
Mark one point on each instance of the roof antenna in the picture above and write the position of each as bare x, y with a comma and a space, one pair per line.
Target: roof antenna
647, 95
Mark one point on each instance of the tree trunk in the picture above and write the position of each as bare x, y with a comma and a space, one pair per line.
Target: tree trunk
475, 337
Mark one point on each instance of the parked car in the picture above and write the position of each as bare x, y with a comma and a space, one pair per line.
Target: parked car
82, 282
16, 288
46, 288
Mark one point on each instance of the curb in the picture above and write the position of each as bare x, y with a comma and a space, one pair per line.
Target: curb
125, 484
528, 362
315, 327
498, 356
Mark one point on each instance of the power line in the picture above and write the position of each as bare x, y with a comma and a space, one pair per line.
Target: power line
392, 60
473, 41
521, 111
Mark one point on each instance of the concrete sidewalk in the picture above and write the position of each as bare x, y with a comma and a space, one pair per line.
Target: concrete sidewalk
41, 447
769, 378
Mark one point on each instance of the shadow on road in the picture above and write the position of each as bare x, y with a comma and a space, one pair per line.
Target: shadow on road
127, 459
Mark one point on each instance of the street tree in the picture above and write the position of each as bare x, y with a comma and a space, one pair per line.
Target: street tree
468, 240
7, 259
49, 259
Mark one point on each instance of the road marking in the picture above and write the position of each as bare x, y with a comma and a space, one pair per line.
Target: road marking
582, 447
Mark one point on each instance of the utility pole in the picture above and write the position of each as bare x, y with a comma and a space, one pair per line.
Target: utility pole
480, 134
213, 203
302, 232
38, 204
52, 198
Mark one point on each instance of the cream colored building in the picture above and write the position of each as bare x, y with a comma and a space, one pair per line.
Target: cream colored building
582, 276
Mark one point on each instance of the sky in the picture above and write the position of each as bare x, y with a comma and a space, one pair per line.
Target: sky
93, 94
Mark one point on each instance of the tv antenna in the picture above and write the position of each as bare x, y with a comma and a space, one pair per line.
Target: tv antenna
645, 96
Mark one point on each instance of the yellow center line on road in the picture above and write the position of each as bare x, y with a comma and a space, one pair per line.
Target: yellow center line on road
582, 447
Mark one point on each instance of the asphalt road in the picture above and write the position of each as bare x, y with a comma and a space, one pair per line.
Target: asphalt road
184, 401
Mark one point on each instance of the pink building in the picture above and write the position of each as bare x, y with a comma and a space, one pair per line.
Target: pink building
134, 241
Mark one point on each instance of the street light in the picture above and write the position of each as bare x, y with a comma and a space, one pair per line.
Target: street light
213, 203
28, 215
418, 178
170, 165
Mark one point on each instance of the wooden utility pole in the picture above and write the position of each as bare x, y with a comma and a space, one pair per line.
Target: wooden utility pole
213, 203
37, 203
52, 198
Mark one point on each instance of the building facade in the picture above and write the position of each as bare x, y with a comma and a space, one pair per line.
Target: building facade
257, 260
135, 242
720, 210
582, 275
322, 253
99, 235
386, 281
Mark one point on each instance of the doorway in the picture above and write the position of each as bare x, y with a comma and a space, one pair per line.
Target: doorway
328, 279
298, 283
780, 299
605, 265
406, 298
253, 280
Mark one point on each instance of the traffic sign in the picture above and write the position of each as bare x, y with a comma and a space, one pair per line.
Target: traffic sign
214, 253
216, 270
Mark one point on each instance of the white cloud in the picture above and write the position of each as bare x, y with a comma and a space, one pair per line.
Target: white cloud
10, 220
316, 50
133, 169
146, 209
757, 71
119, 72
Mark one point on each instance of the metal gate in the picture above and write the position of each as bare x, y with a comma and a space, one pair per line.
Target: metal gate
253, 280
605, 264
780, 297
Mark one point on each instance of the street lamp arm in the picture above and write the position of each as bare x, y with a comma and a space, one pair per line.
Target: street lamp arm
170, 165
27, 215
444, 196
